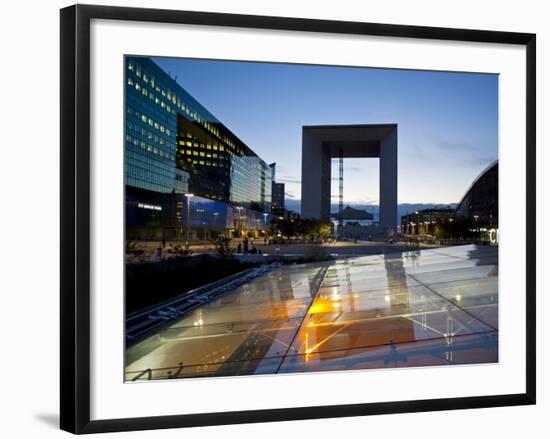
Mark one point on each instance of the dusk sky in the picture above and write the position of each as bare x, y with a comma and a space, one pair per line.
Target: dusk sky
447, 122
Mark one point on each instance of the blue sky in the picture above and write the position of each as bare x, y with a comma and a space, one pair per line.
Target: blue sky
447, 122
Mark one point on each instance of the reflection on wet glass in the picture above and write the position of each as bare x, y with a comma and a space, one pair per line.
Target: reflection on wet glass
422, 308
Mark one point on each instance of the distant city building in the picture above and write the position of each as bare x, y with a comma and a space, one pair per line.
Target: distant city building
480, 203
273, 169
414, 222
278, 207
278, 196
175, 147
474, 219
284, 214
351, 214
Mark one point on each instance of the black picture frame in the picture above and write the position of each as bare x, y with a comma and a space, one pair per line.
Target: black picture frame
75, 217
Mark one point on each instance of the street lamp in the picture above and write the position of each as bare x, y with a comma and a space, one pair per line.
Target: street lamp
265, 224
189, 196
239, 220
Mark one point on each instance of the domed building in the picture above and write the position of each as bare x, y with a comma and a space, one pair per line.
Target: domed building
480, 203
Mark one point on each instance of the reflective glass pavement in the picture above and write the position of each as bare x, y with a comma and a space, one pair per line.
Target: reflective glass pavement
418, 308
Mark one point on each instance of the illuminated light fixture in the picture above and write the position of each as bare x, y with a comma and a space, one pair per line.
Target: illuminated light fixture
319, 308
149, 206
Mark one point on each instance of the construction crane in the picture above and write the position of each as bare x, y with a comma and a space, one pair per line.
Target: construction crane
341, 186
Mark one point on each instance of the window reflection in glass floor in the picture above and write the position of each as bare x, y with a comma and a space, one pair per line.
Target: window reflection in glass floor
419, 308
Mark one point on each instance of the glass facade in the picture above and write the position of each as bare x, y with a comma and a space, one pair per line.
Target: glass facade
250, 183
278, 195
480, 204
234, 172
150, 153
173, 145
419, 308
206, 160
204, 212
167, 215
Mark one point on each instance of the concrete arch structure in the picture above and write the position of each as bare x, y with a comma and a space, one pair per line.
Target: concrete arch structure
321, 143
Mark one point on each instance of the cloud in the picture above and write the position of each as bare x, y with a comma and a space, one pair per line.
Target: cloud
369, 201
454, 151
455, 145
354, 168
479, 161
290, 195
288, 179
358, 201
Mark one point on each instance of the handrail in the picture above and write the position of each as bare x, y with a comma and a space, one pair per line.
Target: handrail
161, 315
149, 373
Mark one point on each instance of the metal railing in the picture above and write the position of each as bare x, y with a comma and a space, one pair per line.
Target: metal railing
152, 319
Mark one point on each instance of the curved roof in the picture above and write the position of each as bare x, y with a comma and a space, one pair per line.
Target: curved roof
481, 196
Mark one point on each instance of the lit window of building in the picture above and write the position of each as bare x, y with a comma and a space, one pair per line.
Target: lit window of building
169, 165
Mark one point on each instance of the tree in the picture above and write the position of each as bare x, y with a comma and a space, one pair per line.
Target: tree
439, 231
324, 231
221, 242
286, 227
308, 228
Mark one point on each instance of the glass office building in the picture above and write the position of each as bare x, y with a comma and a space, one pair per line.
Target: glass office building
151, 129
424, 221
175, 146
480, 203
278, 195
250, 183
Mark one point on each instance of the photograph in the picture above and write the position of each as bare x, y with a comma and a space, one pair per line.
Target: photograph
268, 220
289, 218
